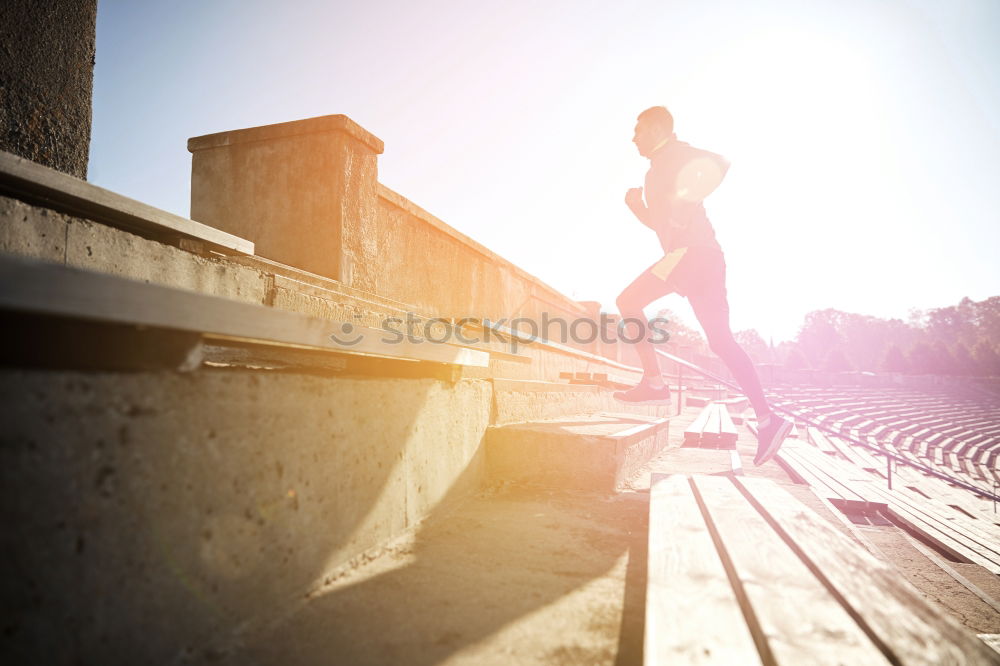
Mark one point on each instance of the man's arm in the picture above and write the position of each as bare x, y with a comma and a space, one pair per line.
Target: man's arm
654, 212
633, 199
701, 175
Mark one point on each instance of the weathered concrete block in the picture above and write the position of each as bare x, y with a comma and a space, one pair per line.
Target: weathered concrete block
29, 231
151, 517
522, 401
443, 442
301, 191
590, 452
108, 250
341, 307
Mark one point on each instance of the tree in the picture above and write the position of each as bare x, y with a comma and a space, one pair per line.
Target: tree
894, 360
916, 318
836, 361
938, 339
819, 335
955, 323
921, 359
944, 362
986, 358
988, 320
681, 335
963, 363
864, 339
796, 360
753, 344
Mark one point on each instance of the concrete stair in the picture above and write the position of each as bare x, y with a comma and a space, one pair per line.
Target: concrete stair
523, 400
595, 452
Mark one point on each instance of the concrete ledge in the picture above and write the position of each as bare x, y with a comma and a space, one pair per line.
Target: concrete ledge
36, 232
96, 247
317, 125
41, 288
38, 184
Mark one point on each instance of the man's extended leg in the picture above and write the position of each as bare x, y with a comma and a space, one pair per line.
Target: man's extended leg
713, 315
644, 290
711, 307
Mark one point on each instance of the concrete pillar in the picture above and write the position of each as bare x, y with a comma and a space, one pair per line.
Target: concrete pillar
302, 191
47, 80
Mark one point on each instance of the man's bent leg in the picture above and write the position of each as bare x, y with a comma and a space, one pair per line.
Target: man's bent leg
644, 290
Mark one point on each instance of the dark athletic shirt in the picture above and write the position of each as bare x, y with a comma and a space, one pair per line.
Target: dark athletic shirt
688, 225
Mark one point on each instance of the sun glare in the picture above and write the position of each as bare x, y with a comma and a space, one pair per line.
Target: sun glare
792, 111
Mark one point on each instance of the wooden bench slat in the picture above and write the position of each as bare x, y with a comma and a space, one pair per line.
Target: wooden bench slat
952, 533
946, 493
788, 455
851, 453
993, 640
710, 434
982, 532
869, 461
727, 429
692, 616
852, 481
692, 434
819, 440
803, 623
935, 533
837, 491
895, 614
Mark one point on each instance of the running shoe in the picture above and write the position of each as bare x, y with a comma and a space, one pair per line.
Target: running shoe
644, 393
770, 438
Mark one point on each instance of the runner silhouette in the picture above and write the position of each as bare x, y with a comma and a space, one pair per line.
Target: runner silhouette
679, 178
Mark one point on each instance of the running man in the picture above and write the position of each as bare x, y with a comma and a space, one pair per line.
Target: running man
679, 178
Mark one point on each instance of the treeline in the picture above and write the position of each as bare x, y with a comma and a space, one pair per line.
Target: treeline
961, 339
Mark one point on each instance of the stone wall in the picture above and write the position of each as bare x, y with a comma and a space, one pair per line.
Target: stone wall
46, 81
421, 260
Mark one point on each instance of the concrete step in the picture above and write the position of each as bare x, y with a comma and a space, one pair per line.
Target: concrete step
595, 452
525, 400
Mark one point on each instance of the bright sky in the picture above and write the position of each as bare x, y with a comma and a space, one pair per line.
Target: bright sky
864, 135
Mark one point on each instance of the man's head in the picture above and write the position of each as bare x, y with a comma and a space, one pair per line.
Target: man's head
653, 126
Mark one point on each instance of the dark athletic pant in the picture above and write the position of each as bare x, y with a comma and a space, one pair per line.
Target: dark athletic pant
701, 277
